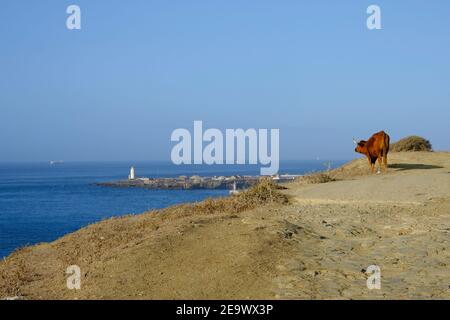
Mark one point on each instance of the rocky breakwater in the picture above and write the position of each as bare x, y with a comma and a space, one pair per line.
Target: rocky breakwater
184, 182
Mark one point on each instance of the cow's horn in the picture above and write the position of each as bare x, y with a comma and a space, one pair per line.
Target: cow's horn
354, 141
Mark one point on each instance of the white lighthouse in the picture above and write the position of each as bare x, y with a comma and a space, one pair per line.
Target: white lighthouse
131, 176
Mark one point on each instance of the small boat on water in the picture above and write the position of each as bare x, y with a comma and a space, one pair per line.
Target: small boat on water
55, 162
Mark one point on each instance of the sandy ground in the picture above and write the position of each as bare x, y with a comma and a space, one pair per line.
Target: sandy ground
317, 247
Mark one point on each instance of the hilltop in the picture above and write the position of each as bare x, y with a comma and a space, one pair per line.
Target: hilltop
308, 241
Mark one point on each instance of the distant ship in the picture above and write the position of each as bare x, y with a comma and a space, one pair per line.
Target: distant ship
55, 162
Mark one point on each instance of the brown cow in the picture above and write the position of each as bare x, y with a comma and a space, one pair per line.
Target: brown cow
376, 148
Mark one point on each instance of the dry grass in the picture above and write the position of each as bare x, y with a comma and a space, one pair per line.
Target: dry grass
411, 143
265, 192
13, 276
318, 177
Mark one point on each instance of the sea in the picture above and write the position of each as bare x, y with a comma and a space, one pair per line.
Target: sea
40, 202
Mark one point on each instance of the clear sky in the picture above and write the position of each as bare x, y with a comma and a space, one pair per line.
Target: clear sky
137, 70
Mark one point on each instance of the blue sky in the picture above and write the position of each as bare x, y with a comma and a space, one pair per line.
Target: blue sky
137, 70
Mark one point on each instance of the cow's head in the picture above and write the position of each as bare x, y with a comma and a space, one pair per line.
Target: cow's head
361, 147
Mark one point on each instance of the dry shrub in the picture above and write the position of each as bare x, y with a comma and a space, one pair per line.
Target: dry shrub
319, 177
265, 192
411, 143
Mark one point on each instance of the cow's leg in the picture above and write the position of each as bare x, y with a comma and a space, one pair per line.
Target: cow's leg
371, 164
385, 161
380, 163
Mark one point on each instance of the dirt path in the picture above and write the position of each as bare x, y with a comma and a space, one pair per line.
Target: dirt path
399, 221
317, 247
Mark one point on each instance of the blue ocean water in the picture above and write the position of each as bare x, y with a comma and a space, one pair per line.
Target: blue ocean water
40, 202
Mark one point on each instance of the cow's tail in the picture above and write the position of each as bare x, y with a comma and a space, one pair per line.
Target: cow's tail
386, 143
